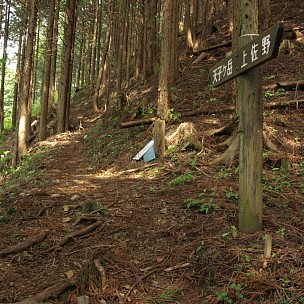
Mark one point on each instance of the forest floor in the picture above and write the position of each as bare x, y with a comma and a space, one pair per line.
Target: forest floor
114, 230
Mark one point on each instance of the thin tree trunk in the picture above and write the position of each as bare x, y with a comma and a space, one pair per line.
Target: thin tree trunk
26, 79
165, 78
52, 105
103, 68
17, 82
4, 58
65, 77
47, 74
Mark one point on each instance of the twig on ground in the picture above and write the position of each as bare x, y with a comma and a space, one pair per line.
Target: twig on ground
43, 210
177, 267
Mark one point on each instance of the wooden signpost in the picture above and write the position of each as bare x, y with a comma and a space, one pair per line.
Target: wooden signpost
256, 52
244, 65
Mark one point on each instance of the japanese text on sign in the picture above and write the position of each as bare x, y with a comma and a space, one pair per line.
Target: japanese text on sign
256, 52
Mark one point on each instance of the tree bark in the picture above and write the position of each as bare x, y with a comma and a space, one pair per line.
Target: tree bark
4, 58
166, 78
26, 79
47, 74
66, 66
105, 61
54, 58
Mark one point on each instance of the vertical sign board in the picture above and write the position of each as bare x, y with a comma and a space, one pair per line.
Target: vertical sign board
256, 52
251, 55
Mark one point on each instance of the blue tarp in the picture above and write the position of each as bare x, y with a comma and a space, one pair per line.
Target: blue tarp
147, 153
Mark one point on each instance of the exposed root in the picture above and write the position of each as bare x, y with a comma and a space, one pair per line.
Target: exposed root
25, 245
228, 157
227, 129
49, 292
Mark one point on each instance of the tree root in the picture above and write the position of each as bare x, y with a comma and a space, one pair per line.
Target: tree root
230, 154
49, 292
102, 272
227, 129
25, 245
81, 232
233, 143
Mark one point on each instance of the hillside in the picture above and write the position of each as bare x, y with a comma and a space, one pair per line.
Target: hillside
80, 220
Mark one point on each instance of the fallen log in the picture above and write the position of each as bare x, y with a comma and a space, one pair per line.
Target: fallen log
213, 47
287, 85
269, 105
279, 104
25, 245
138, 122
50, 292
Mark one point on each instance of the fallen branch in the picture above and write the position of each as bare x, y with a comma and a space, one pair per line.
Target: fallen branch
216, 46
269, 105
278, 104
139, 168
25, 245
138, 122
50, 292
81, 232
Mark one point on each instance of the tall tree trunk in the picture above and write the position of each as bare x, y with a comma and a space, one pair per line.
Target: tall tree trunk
169, 36
52, 105
47, 74
94, 44
90, 46
80, 61
264, 14
66, 68
17, 81
36, 62
26, 79
4, 58
103, 68
120, 31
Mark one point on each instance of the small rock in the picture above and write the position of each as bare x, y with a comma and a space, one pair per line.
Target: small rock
66, 219
66, 208
75, 197
83, 300
55, 195
69, 274
164, 210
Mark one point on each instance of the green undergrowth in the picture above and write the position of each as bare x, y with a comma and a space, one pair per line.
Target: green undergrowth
27, 174
107, 141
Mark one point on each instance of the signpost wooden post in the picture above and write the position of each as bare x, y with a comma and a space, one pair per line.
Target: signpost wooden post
244, 63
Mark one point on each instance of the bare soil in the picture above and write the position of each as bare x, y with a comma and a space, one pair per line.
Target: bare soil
166, 231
